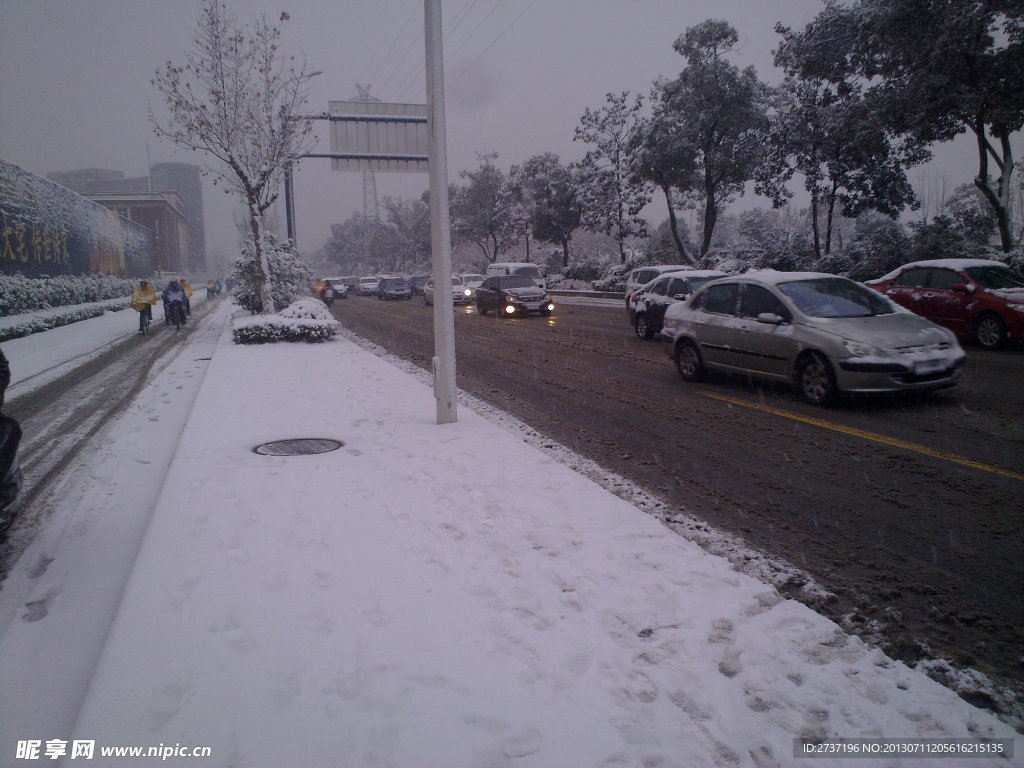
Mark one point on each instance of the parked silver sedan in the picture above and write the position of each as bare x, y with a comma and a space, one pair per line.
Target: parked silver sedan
823, 333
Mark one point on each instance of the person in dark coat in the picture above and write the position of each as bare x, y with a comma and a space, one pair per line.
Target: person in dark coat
5, 377
10, 437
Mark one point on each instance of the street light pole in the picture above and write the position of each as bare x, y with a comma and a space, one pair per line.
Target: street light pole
289, 203
440, 221
289, 191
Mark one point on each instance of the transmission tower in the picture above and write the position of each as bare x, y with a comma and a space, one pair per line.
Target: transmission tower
371, 211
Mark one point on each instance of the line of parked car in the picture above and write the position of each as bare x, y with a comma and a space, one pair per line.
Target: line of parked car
827, 334
508, 289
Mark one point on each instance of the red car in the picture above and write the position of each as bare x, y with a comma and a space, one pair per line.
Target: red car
976, 298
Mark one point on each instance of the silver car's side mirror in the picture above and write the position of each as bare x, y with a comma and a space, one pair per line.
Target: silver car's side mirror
771, 318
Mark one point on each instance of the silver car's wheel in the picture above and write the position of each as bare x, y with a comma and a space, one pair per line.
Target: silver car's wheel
688, 362
815, 380
989, 331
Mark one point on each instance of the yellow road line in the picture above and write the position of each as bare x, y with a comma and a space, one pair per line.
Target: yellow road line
873, 436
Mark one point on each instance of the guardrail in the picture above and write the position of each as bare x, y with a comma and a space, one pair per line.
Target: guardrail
590, 294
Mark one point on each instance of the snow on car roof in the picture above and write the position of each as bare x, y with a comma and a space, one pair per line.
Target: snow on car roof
694, 273
773, 277
947, 263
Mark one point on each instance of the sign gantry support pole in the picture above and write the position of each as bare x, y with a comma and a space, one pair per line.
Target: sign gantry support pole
440, 220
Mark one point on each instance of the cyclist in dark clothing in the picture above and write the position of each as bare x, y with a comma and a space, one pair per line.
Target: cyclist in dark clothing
5, 377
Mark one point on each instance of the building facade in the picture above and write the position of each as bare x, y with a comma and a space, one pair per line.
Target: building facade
163, 213
178, 182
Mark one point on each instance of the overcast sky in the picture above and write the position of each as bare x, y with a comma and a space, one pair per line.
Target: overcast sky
75, 80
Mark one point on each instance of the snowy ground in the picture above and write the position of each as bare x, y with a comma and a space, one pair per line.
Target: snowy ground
425, 596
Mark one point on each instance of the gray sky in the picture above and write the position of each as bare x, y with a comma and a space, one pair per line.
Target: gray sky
75, 80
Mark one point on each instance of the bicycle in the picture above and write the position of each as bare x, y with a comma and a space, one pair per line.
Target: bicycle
145, 319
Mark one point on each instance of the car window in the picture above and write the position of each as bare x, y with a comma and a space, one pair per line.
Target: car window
528, 272
721, 299
835, 297
517, 281
677, 286
995, 278
945, 279
456, 280
644, 276
660, 287
756, 300
912, 278
488, 284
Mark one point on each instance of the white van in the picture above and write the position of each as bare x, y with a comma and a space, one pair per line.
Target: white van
524, 268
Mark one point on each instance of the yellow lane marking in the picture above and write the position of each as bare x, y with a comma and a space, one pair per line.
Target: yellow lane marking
873, 436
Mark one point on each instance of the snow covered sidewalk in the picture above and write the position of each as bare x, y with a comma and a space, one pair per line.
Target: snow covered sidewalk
450, 596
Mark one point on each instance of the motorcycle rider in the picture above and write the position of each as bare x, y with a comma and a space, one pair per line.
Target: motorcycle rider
174, 293
327, 293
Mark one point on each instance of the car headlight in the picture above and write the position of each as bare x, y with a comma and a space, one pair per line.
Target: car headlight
467, 292
859, 349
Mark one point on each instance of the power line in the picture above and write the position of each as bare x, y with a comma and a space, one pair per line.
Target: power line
478, 25
469, 6
493, 43
394, 42
408, 49
411, 80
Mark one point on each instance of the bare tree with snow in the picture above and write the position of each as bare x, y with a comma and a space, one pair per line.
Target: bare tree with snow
237, 99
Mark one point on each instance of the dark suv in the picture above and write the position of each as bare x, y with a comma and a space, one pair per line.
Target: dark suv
512, 295
646, 306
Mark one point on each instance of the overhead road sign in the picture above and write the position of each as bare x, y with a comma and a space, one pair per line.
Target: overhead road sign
378, 136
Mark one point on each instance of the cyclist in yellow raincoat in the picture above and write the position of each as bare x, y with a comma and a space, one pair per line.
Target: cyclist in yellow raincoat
143, 299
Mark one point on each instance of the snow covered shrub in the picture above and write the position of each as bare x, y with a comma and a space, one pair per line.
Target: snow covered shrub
289, 275
587, 269
305, 320
30, 324
613, 279
311, 309
19, 294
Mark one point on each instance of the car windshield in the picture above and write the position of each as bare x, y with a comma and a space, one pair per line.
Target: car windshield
456, 280
397, 282
995, 278
696, 282
528, 271
367, 279
473, 278
516, 281
835, 297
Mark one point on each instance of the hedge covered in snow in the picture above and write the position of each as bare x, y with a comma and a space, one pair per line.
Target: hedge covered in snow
305, 320
19, 294
23, 325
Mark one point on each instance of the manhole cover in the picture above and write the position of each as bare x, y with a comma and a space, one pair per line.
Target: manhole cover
301, 446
